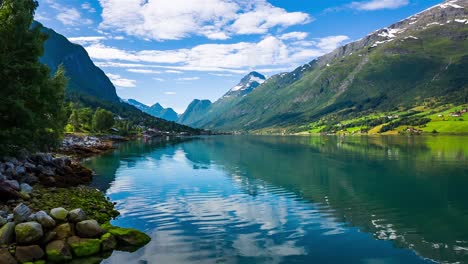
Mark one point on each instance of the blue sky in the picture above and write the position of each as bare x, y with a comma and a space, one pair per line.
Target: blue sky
174, 51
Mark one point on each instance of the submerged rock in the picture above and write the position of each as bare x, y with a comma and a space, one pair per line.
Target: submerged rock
28, 232
59, 214
88, 228
58, 251
83, 247
29, 253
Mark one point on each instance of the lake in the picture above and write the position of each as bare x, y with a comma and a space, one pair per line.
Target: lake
271, 199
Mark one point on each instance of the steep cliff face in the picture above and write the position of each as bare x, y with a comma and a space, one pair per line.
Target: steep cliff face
84, 77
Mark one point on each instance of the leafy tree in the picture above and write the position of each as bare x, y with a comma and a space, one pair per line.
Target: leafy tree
74, 121
103, 120
31, 102
85, 117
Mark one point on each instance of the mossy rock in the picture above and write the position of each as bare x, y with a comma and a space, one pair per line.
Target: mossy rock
127, 236
108, 242
93, 202
83, 247
58, 252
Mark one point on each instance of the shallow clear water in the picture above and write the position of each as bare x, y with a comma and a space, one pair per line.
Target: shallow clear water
252, 199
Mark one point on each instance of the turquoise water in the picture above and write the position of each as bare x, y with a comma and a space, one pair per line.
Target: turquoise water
252, 199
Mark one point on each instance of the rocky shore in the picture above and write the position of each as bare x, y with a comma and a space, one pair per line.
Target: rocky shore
49, 215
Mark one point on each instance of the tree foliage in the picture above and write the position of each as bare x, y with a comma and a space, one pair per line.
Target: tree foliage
103, 120
31, 101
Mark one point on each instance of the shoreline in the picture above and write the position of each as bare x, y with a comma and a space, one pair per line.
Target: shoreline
34, 188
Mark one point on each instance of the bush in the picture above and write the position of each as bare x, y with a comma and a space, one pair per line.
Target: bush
103, 120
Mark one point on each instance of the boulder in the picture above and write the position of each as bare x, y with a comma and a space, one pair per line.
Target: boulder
58, 251
29, 253
45, 170
8, 192
29, 166
6, 257
128, 236
29, 179
45, 220
49, 236
2, 221
32, 218
63, 231
20, 170
28, 232
26, 188
88, 228
59, 214
77, 215
7, 233
21, 213
83, 247
13, 184
108, 242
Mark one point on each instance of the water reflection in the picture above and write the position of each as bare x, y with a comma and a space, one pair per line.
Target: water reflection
293, 199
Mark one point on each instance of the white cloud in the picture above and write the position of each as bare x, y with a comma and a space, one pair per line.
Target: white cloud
294, 35
188, 79
170, 93
221, 74
378, 4
159, 79
87, 40
118, 81
69, 16
174, 71
144, 71
213, 19
72, 17
87, 6
270, 52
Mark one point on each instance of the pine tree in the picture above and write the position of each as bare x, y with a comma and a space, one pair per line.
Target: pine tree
31, 102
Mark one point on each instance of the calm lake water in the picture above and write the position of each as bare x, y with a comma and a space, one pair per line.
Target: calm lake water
255, 199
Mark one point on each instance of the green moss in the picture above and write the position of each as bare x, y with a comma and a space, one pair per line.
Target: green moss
92, 201
127, 236
83, 247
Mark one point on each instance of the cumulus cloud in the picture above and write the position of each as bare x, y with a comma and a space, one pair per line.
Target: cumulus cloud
294, 35
270, 52
118, 81
178, 19
378, 4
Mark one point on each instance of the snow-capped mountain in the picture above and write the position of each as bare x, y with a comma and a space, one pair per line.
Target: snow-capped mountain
246, 85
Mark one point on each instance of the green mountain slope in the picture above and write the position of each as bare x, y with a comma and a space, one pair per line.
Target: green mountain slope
196, 110
89, 86
155, 110
420, 58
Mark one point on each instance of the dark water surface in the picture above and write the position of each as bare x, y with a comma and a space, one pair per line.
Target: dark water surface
252, 199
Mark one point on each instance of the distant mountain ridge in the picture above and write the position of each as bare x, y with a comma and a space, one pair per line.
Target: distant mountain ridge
155, 110
422, 57
200, 110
